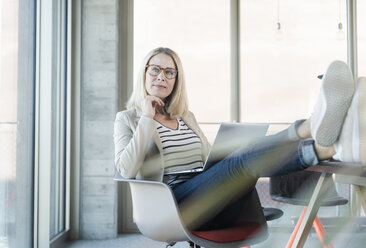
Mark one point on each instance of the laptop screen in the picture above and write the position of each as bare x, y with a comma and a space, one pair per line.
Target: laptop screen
232, 136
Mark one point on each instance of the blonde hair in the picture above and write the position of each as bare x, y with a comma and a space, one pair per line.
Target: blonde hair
176, 104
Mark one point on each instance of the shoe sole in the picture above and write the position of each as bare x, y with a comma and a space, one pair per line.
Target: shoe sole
335, 98
362, 119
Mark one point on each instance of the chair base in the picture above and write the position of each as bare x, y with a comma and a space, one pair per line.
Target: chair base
272, 213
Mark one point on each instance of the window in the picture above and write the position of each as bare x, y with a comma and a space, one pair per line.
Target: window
16, 122
279, 68
200, 33
8, 120
361, 35
279, 62
280, 65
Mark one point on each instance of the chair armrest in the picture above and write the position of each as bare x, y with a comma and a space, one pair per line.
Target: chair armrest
118, 177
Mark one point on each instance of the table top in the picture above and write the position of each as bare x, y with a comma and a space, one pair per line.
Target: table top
342, 168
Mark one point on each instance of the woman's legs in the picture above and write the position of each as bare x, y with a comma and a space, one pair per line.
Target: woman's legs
207, 194
230, 215
218, 193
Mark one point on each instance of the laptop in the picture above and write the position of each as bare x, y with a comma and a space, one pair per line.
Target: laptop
229, 138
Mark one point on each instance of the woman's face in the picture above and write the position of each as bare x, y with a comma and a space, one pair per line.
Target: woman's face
157, 83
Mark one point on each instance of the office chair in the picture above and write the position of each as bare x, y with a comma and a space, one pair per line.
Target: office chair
157, 216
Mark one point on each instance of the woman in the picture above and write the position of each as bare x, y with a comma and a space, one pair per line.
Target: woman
158, 135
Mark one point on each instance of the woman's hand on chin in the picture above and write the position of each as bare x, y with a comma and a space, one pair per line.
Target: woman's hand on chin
149, 105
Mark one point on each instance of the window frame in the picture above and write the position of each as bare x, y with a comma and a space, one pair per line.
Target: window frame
53, 64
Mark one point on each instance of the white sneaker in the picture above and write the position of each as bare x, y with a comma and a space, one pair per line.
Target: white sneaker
351, 145
333, 102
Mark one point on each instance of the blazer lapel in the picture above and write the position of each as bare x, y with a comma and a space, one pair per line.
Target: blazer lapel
156, 136
157, 141
192, 125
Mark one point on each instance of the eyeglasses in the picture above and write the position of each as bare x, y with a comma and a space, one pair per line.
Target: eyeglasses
155, 70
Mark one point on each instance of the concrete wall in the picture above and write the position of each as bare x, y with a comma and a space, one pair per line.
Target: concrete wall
99, 104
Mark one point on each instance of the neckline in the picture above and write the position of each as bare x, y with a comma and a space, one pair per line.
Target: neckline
178, 127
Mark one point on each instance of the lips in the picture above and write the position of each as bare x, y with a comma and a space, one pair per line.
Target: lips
159, 86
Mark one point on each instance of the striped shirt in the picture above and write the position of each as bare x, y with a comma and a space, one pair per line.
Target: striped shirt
182, 150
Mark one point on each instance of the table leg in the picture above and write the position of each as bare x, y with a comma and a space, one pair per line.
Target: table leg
296, 230
322, 234
314, 205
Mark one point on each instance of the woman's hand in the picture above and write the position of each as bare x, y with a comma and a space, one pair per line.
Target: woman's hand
149, 106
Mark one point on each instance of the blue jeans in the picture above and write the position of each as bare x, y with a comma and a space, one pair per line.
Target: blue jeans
214, 198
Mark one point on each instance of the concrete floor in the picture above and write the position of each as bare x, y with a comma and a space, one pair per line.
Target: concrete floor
276, 240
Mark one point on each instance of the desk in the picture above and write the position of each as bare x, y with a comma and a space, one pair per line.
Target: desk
347, 173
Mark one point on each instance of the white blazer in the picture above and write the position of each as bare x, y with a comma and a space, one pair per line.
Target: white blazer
138, 148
